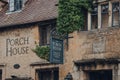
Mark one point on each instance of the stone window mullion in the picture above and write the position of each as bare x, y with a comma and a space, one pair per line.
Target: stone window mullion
89, 21
110, 14
99, 16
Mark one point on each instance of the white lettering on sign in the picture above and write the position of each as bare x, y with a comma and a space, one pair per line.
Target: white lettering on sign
17, 46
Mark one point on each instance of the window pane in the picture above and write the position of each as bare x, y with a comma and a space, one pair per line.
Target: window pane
94, 17
104, 8
45, 33
11, 5
0, 74
21, 4
84, 27
105, 19
43, 36
18, 4
94, 21
104, 15
115, 14
94, 10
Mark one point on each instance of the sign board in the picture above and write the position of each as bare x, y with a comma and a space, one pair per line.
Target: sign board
56, 53
17, 46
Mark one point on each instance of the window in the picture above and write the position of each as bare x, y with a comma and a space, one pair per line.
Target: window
94, 17
116, 14
0, 74
84, 28
15, 5
104, 15
43, 35
47, 74
44, 31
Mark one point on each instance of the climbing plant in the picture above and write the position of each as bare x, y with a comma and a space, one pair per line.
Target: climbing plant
71, 14
42, 51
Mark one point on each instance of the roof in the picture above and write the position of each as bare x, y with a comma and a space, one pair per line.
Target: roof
34, 11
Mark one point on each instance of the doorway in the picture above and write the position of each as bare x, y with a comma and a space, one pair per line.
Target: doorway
100, 75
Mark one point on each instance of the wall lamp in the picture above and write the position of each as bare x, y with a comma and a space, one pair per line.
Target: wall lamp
68, 77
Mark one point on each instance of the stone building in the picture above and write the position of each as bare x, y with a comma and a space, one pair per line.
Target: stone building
92, 54
23, 25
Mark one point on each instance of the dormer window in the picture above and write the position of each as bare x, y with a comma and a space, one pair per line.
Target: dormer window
15, 5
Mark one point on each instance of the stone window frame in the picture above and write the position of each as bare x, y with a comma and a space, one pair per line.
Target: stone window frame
110, 13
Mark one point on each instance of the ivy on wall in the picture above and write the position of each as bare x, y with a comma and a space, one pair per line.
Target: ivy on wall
42, 51
70, 15
70, 18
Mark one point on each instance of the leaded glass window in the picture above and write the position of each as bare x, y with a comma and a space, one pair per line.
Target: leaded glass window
116, 13
94, 17
104, 15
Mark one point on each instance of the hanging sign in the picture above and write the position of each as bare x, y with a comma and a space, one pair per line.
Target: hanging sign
56, 53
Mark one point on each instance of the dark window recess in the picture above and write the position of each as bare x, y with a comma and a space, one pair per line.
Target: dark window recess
0, 74
94, 17
43, 35
94, 10
48, 74
84, 28
100, 75
104, 8
116, 14
44, 31
104, 15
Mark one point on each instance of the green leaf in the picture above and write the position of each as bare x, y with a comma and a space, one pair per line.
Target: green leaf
70, 15
42, 51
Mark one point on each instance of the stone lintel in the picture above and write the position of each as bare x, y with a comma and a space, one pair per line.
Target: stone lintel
96, 61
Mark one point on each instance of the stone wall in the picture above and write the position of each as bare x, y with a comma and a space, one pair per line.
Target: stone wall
104, 43
87, 45
16, 46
